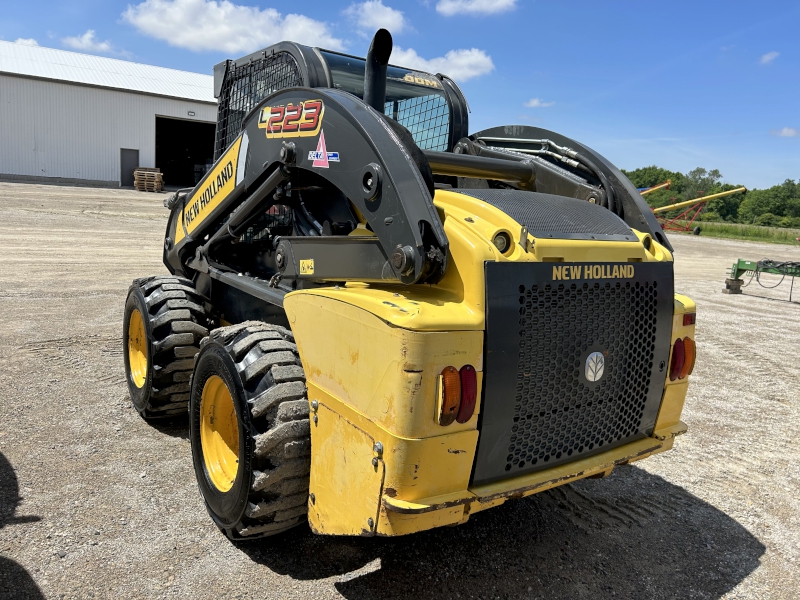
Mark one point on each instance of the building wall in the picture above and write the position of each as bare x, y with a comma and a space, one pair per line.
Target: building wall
59, 130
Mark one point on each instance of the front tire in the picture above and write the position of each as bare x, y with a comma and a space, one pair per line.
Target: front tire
249, 429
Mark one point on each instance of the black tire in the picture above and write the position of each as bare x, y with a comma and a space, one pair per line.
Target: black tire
262, 371
175, 321
696, 231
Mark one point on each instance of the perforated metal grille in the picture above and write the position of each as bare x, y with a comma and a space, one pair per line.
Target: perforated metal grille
547, 215
558, 414
426, 117
246, 86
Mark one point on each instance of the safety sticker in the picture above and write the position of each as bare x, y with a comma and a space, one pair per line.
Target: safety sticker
307, 266
303, 119
321, 157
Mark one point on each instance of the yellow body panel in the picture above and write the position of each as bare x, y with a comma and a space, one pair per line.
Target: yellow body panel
675, 391
384, 372
349, 478
345, 486
373, 353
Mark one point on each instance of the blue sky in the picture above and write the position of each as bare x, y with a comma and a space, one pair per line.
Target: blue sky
677, 84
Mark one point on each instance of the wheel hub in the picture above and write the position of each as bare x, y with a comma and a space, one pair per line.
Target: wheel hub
137, 349
219, 433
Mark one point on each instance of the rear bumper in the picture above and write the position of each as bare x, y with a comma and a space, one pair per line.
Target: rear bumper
406, 517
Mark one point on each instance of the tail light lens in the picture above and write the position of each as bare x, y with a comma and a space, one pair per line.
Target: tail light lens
469, 393
678, 360
451, 395
689, 319
690, 351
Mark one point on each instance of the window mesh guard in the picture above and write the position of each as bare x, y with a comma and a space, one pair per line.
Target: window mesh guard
246, 86
426, 117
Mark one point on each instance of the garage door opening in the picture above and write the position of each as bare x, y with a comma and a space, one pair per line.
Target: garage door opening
183, 150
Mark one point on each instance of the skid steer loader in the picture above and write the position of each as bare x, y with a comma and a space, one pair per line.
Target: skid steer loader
381, 323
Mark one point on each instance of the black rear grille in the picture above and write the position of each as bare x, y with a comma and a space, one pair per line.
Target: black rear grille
557, 413
539, 409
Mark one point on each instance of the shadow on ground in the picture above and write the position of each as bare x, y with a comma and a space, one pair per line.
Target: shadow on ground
15, 581
633, 535
176, 427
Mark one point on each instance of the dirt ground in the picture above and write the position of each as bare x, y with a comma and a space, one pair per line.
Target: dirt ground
96, 503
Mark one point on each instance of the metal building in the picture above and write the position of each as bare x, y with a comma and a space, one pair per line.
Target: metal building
67, 117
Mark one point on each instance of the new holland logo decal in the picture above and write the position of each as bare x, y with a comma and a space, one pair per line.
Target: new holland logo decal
595, 367
321, 157
572, 272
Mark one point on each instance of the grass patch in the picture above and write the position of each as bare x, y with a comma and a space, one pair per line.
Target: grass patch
755, 233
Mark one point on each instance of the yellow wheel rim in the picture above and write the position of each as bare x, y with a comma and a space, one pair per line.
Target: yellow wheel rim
137, 348
219, 433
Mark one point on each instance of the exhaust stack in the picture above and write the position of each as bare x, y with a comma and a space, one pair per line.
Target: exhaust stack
375, 70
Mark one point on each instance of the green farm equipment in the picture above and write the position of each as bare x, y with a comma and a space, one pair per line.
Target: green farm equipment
739, 269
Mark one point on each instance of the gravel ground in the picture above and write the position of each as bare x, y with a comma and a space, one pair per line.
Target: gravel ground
96, 503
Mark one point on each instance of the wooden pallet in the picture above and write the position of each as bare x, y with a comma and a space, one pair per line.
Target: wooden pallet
148, 179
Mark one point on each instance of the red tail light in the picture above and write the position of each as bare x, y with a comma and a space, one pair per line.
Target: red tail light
469, 393
689, 319
690, 351
451, 395
678, 360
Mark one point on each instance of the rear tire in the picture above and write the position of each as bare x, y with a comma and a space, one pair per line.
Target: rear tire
164, 322
268, 492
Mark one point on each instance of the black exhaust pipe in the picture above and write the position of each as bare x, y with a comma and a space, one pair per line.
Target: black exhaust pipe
375, 70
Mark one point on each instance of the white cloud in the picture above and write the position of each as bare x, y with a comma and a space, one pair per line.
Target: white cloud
480, 7
538, 103
374, 14
224, 26
87, 42
461, 64
786, 132
769, 57
26, 42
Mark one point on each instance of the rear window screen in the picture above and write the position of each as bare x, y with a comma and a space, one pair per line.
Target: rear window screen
415, 100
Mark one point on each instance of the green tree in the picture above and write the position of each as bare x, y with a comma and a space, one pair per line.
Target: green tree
779, 200
727, 207
653, 175
699, 182
767, 220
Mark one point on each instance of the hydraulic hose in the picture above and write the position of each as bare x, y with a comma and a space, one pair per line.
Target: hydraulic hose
612, 205
561, 154
308, 216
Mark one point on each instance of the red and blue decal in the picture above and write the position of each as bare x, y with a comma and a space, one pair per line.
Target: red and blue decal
321, 157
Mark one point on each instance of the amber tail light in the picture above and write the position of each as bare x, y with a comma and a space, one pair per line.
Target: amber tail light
690, 351
451, 395
469, 393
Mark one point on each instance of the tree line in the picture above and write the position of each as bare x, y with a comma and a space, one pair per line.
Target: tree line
778, 206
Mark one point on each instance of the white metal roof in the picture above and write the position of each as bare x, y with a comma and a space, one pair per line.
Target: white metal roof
61, 65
